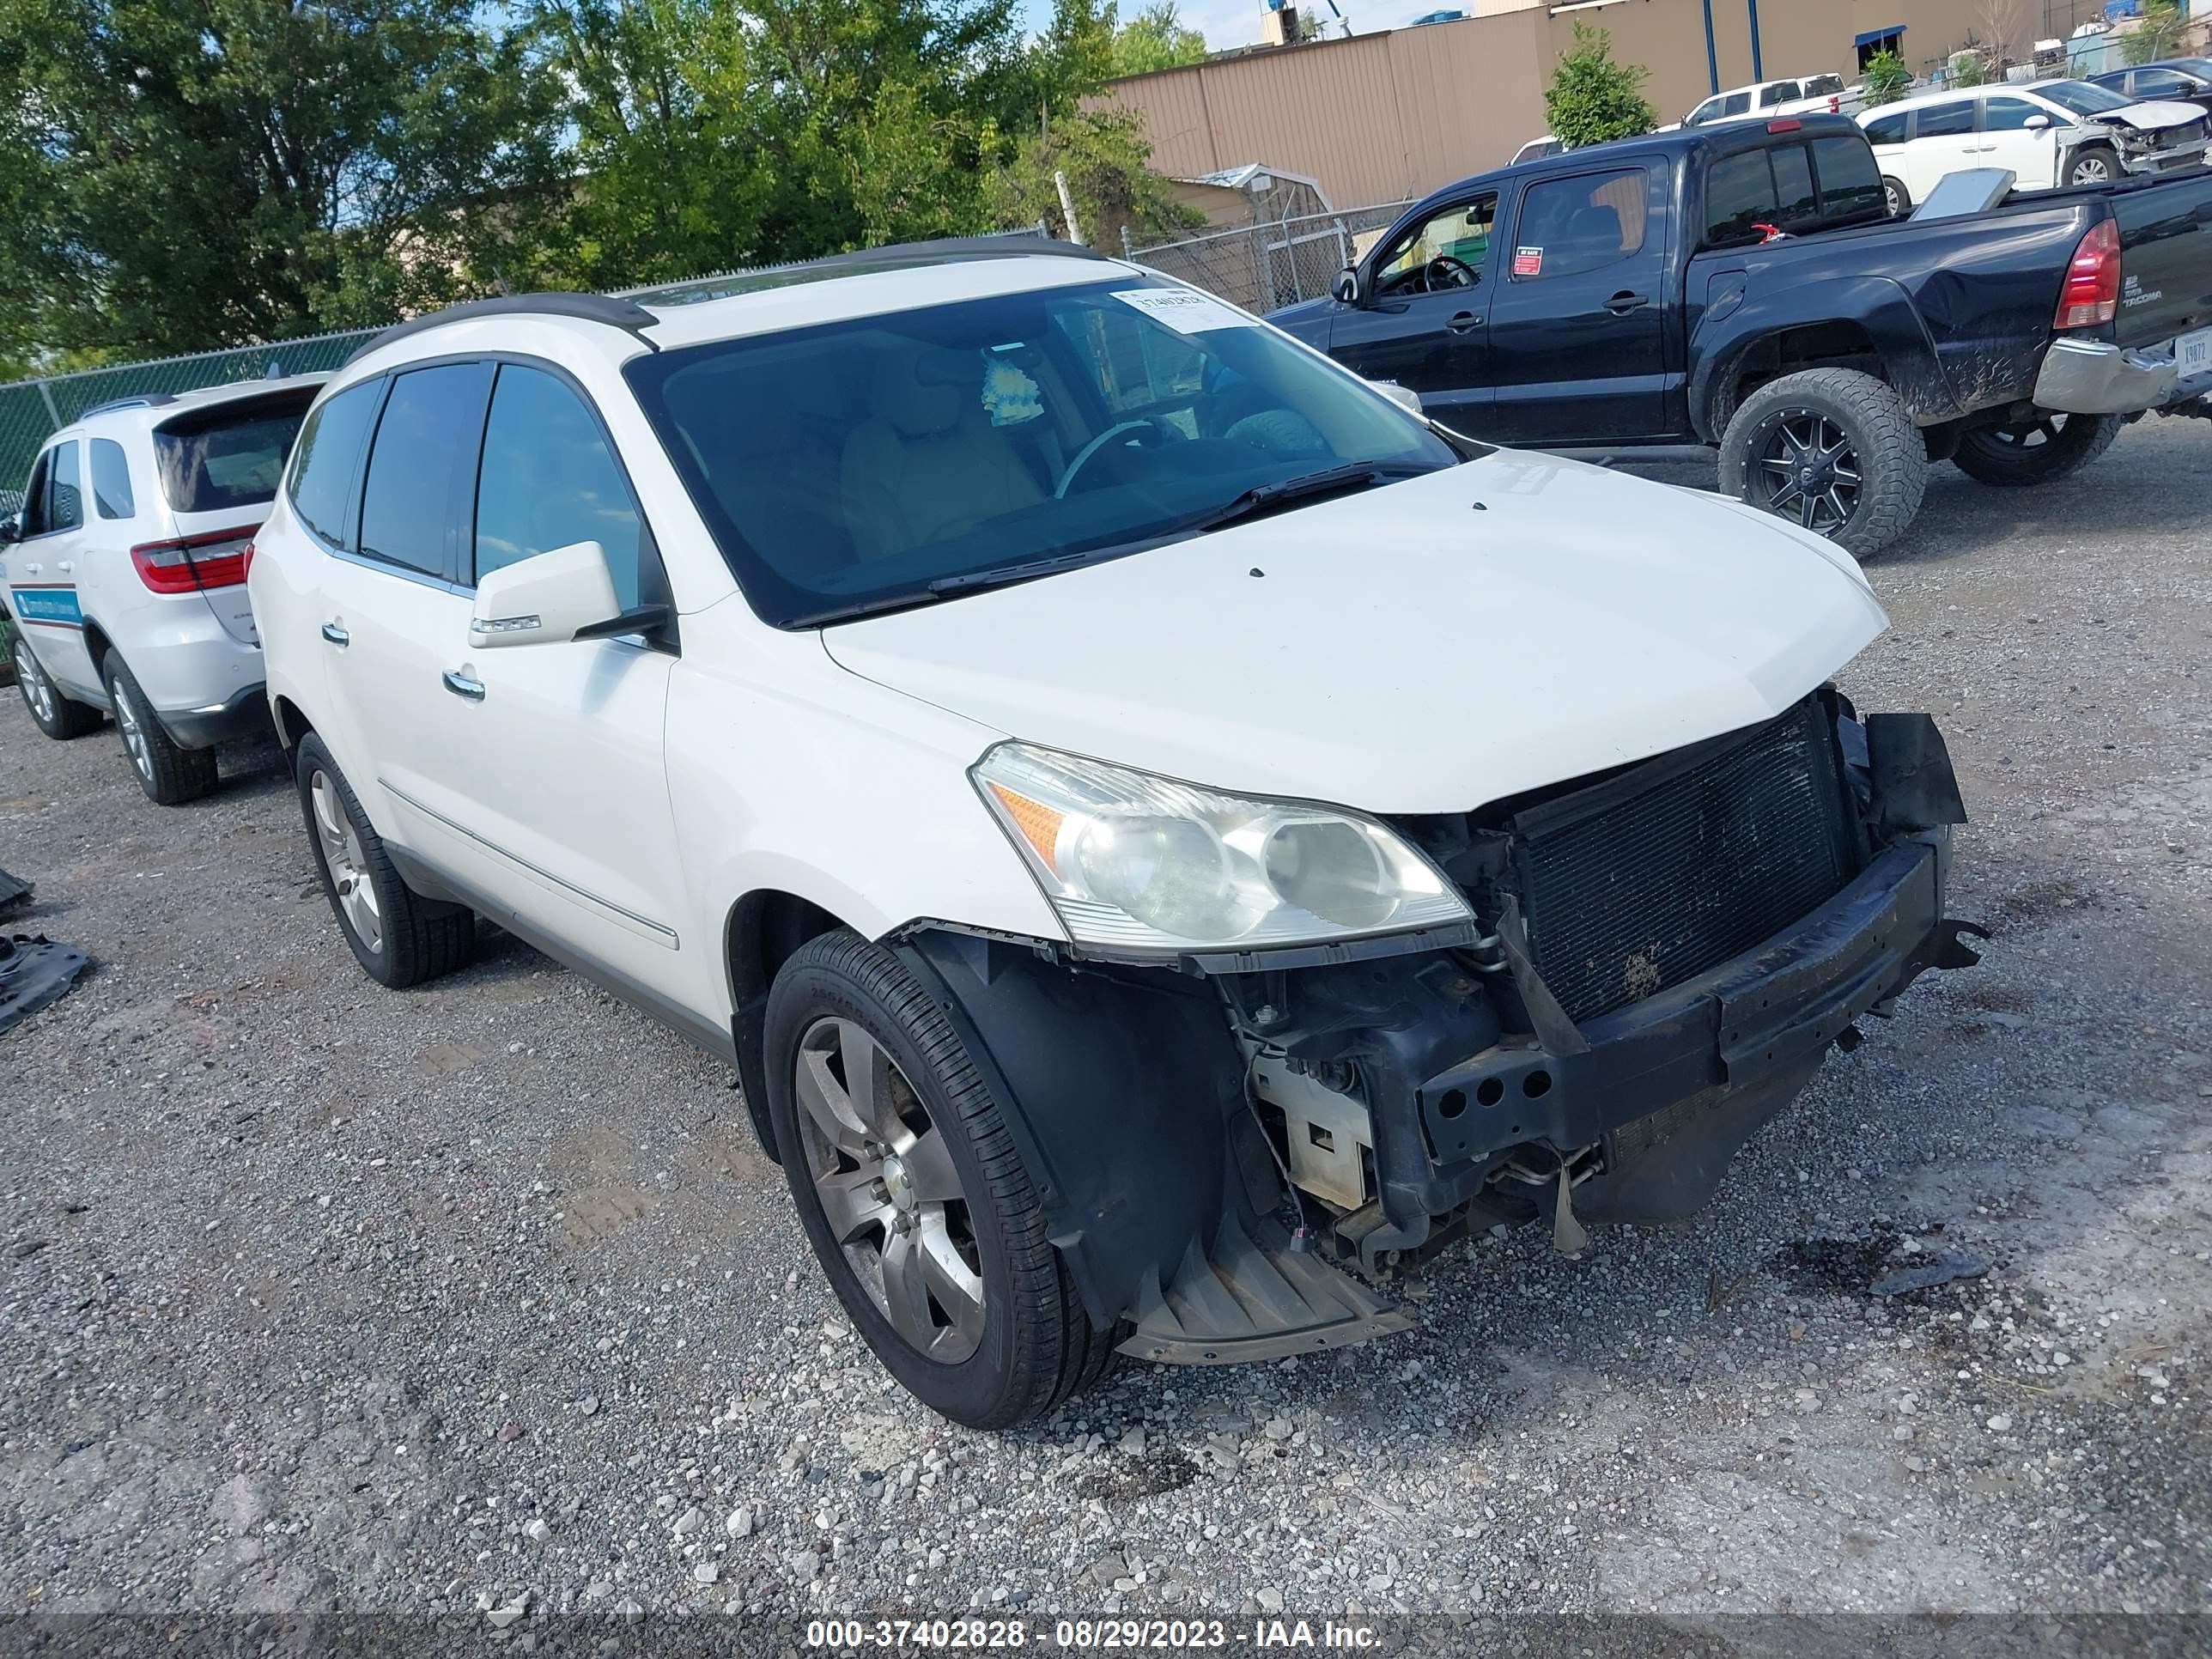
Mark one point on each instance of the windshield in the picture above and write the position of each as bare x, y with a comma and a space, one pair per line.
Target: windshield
2081, 98
899, 459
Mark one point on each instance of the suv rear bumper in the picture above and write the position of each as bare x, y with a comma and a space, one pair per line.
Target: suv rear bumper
244, 714
2094, 377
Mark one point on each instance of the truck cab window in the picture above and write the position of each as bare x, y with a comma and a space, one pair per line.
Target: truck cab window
1573, 225
1459, 237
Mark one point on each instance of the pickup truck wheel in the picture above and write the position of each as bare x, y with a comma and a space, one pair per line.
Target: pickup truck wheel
2035, 452
2094, 165
400, 938
59, 717
913, 1194
1833, 450
1900, 198
169, 772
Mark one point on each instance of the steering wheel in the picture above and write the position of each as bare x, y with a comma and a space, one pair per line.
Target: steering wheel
1445, 272
1161, 432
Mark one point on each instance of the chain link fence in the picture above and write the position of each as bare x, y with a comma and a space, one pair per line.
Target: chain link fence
1264, 266
32, 410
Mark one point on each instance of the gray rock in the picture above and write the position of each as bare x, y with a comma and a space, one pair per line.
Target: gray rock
740, 1523
241, 1503
690, 1522
805, 1566
706, 1572
535, 1529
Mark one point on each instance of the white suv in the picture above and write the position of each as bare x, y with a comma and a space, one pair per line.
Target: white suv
1163, 833
124, 571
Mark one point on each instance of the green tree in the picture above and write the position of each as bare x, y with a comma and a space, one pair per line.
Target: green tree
1157, 37
1967, 69
1592, 99
2157, 33
1887, 79
182, 173
1107, 160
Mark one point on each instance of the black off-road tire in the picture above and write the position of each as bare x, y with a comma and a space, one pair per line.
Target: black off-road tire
421, 939
2035, 452
59, 716
1891, 456
169, 772
1894, 192
1038, 1347
2089, 153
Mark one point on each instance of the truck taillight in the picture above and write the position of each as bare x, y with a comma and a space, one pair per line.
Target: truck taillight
2091, 294
188, 564
1786, 125
1835, 103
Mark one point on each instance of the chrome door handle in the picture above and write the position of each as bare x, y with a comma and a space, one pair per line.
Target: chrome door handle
65, 566
336, 634
32, 569
461, 686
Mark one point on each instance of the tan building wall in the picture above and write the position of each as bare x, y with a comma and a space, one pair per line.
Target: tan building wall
1382, 116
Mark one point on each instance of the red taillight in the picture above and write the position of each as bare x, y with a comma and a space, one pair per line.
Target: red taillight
1835, 103
1786, 125
217, 558
2091, 295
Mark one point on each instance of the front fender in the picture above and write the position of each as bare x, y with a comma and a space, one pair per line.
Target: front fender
1734, 322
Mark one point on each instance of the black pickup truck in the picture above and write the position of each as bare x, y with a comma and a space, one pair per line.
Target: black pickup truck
1746, 287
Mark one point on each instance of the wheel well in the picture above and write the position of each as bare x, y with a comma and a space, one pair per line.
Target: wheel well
97, 645
1839, 344
291, 723
765, 930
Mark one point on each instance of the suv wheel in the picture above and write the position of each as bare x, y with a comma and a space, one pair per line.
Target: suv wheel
1895, 194
2037, 451
169, 772
913, 1194
58, 716
1833, 450
399, 937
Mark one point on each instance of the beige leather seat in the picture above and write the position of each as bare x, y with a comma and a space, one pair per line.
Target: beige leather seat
927, 463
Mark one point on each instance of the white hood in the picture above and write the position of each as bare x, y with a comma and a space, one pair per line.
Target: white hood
2154, 117
1399, 651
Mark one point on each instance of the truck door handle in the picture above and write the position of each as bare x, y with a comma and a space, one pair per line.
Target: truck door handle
1624, 302
461, 686
1464, 322
336, 634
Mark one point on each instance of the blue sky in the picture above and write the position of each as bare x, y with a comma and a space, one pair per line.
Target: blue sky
1236, 22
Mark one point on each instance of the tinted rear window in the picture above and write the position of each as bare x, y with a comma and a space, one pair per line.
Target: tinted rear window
430, 426
1850, 182
228, 458
322, 483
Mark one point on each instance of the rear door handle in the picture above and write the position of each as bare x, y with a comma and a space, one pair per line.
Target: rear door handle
461, 686
65, 566
1622, 303
336, 634
1464, 322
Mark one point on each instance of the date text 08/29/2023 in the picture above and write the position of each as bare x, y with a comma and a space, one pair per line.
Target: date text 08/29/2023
841, 1635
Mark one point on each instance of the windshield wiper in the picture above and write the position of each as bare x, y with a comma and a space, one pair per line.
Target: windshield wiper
1002, 575
1329, 481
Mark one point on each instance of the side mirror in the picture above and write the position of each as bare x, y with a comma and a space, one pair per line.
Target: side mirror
11, 530
1404, 396
1344, 287
546, 600
2037, 122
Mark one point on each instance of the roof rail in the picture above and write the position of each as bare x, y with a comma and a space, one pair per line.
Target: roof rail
947, 250
625, 314
142, 400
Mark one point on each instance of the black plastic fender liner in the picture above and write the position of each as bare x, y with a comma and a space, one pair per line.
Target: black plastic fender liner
33, 972
1119, 1086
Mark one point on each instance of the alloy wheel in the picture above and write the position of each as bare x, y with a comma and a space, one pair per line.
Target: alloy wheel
1808, 471
37, 690
889, 1189
2028, 437
2092, 170
342, 856
134, 734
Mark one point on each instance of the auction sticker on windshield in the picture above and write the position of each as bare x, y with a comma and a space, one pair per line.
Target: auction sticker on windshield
1185, 310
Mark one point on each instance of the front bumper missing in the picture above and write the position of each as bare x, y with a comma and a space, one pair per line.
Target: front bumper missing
2094, 377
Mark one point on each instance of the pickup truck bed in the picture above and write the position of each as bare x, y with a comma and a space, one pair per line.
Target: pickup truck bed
1659, 290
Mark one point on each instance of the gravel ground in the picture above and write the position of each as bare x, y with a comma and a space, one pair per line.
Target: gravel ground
481, 1298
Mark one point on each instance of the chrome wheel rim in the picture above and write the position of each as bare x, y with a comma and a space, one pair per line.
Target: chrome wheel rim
1808, 471
342, 858
890, 1190
134, 734
1890, 194
38, 691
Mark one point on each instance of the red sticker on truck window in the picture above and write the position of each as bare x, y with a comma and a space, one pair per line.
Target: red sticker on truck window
1527, 261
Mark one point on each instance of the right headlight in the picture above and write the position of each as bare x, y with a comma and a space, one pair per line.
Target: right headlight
1132, 861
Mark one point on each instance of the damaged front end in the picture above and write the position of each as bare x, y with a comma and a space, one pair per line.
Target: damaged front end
1664, 954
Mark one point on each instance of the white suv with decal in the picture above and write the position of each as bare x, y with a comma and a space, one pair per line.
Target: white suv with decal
1163, 833
124, 572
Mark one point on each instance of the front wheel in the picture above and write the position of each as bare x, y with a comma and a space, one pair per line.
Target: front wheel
2048, 446
169, 772
1833, 450
1900, 198
2095, 165
59, 717
913, 1194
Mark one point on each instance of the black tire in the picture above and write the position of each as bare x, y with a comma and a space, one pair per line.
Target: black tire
415, 939
1879, 444
1035, 1347
169, 772
2094, 164
2035, 452
1899, 198
59, 716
